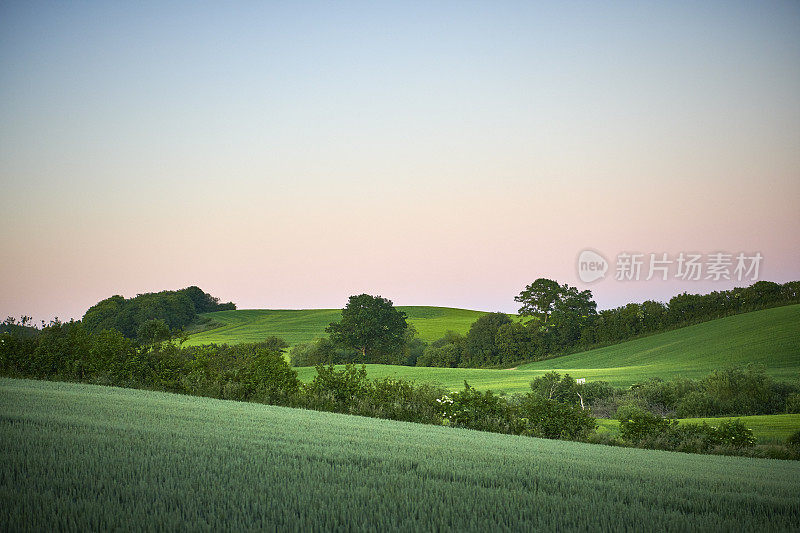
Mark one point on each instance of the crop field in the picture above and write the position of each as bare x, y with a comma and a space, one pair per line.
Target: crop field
770, 337
303, 325
84, 457
766, 428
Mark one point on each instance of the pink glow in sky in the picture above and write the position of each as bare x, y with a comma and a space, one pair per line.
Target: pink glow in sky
290, 156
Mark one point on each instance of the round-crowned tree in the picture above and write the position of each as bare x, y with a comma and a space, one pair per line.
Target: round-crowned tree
370, 324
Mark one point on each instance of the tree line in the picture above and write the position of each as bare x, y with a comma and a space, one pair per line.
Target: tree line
553, 320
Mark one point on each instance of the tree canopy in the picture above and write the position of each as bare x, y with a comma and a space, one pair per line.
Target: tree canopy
177, 309
370, 324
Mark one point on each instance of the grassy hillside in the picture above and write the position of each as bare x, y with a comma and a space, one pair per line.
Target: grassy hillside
770, 337
83, 457
302, 325
766, 428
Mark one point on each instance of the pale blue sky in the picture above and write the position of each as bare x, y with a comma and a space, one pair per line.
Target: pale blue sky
153, 145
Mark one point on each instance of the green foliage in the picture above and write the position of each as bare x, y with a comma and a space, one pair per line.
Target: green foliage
644, 429
636, 424
516, 342
177, 309
552, 419
484, 411
447, 356
734, 433
321, 352
369, 324
153, 331
794, 439
337, 390
552, 386
793, 403
61, 351
481, 347
539, 299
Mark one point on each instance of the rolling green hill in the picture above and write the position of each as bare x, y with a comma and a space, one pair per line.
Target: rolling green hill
770, 337
302, 325
85, 457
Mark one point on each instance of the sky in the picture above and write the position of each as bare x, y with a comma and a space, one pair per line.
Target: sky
290, 154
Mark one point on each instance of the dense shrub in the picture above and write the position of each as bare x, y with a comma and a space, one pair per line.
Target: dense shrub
636, 424
482, 349
337, 390
447, 356
552, 419
398, 399
484, 411
697, 404
793, 403
321, 352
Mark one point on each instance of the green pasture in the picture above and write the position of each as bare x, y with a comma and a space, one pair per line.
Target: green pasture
303, 325
88, 458
770, 337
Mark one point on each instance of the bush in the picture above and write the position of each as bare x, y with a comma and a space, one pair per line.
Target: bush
636, 424
321, 352
337, 390
550, 419
398, 399
794, 439
740, 390
479, 410
447, 356
793, 403
697, 404
663, 396
734, 434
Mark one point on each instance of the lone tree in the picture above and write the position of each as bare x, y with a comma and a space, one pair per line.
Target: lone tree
539, 299
369, 324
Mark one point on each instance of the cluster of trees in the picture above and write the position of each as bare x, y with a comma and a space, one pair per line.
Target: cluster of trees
557, 319
68, 351
644, 429
152, 316
646, 410
733, 391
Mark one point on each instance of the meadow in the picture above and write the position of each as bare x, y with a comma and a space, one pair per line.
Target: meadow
770, 337
85, 457
302, 325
